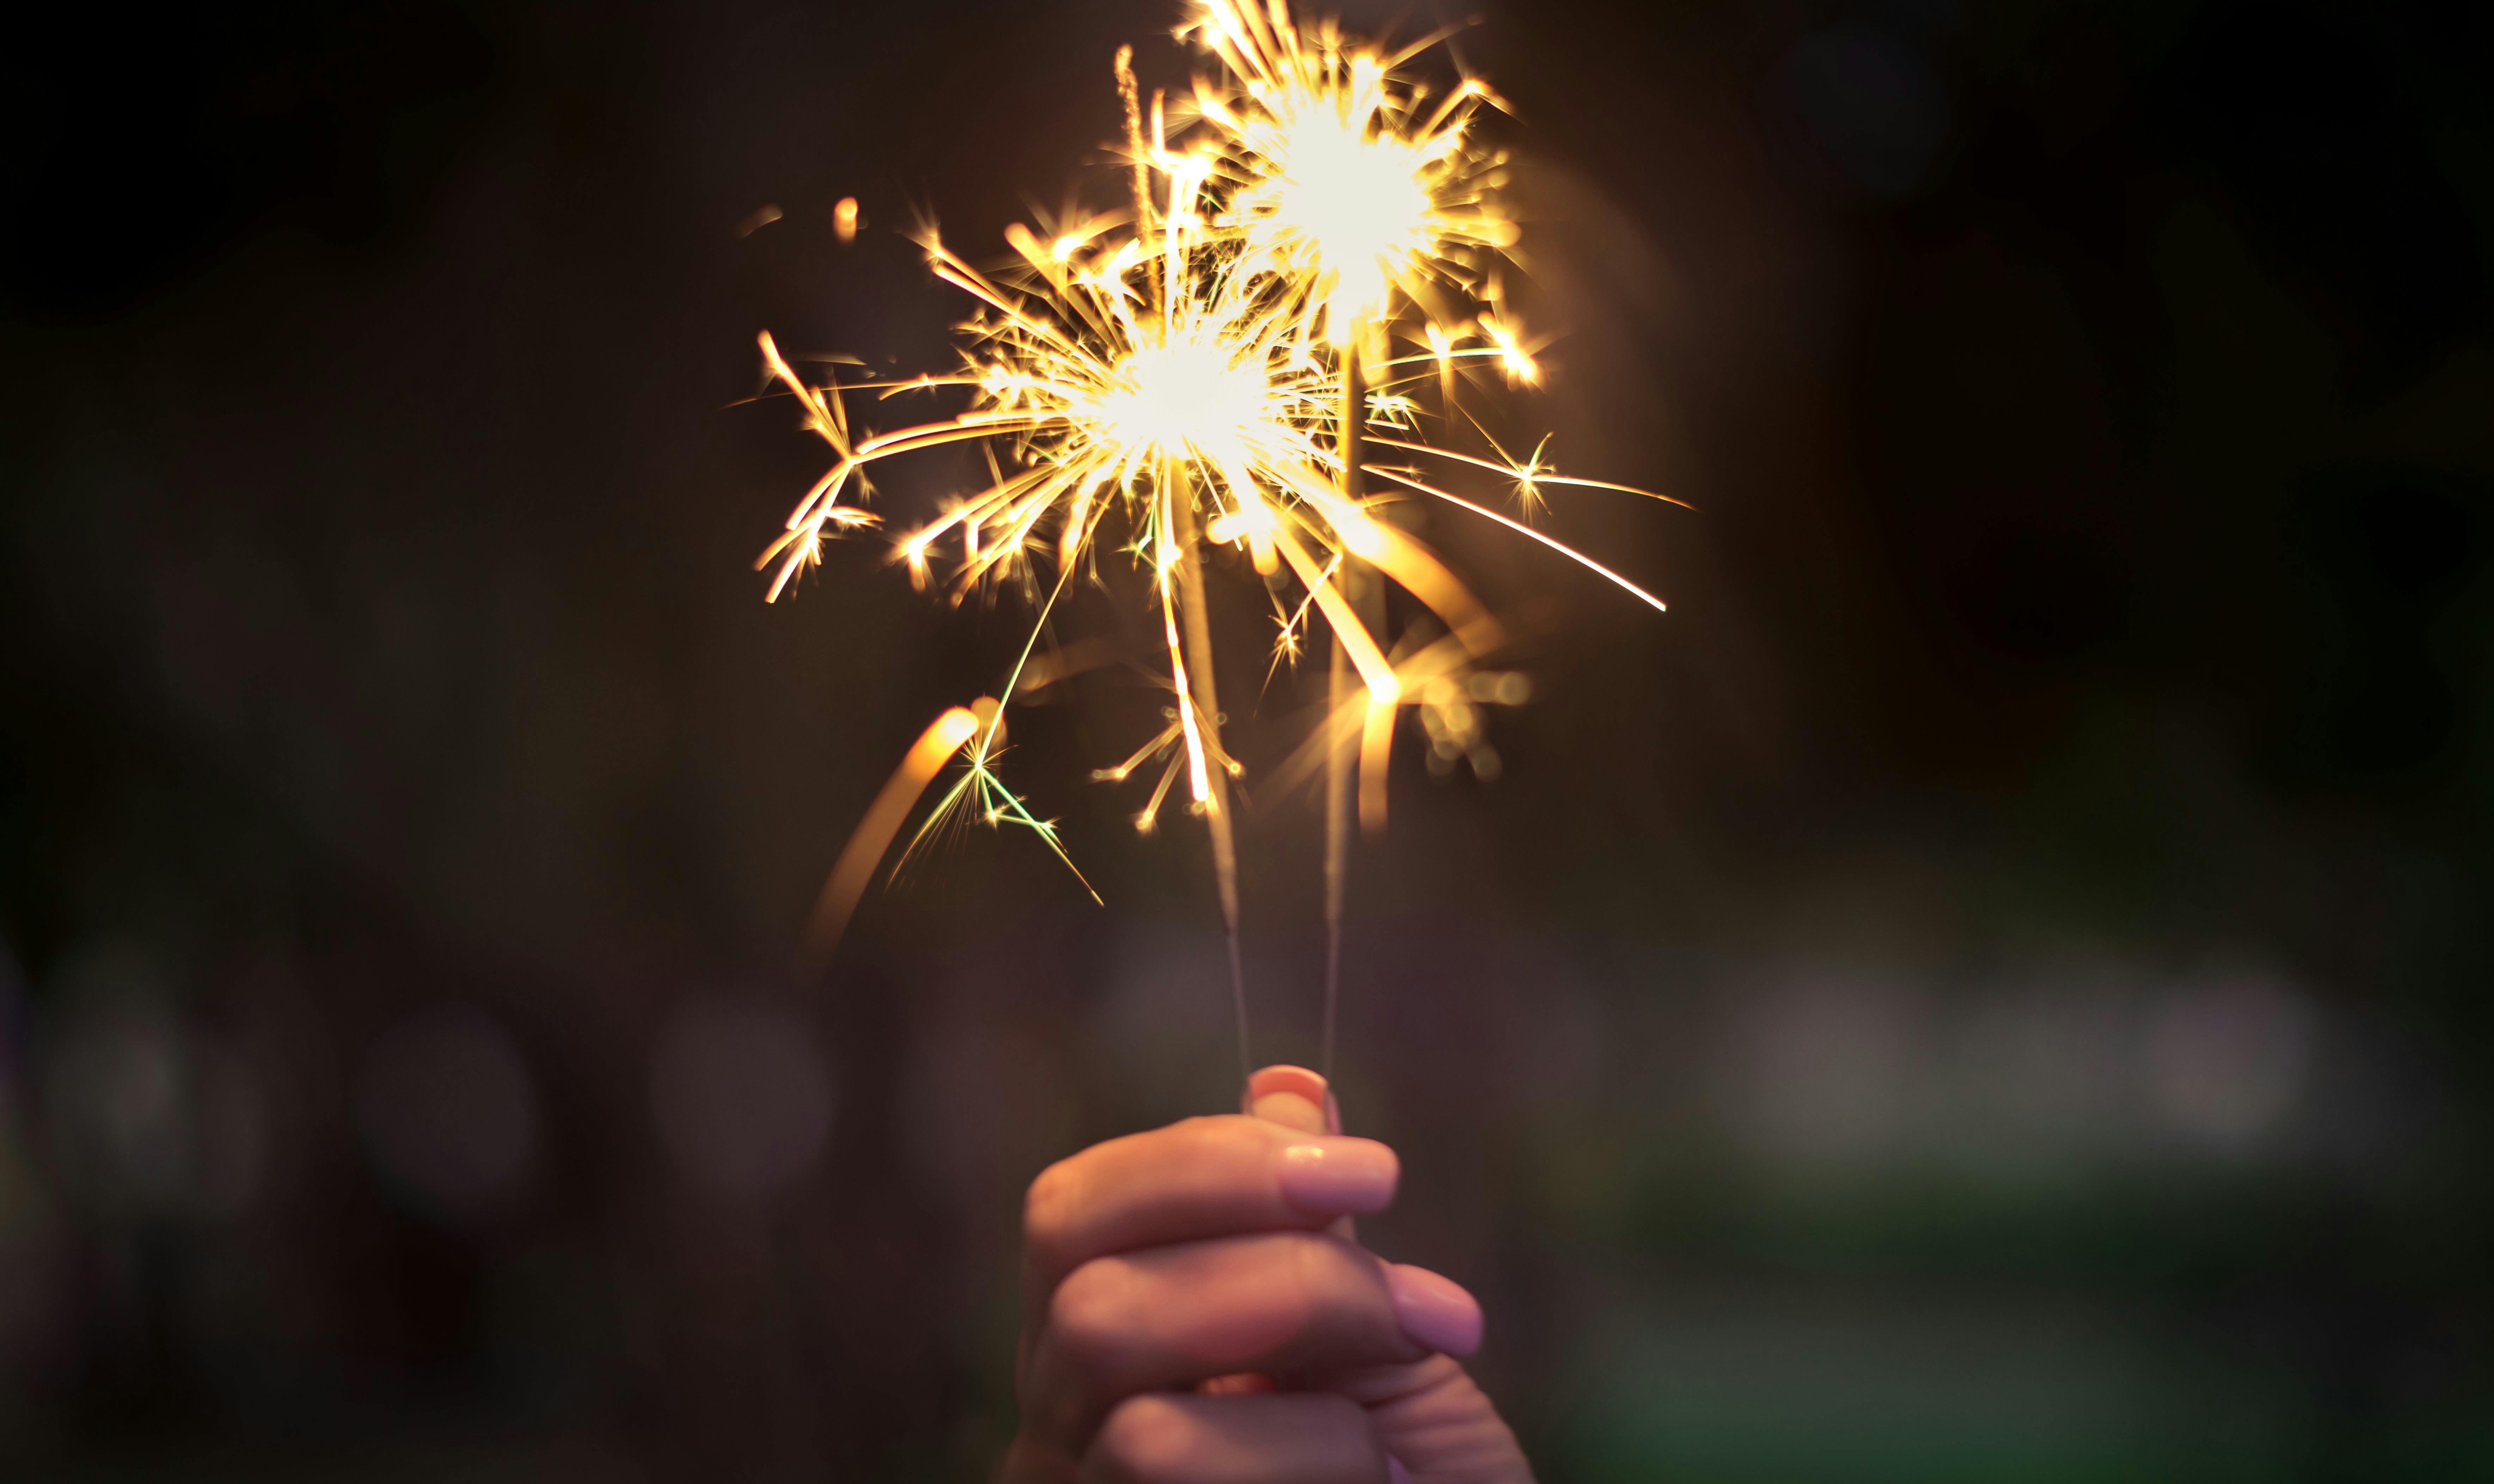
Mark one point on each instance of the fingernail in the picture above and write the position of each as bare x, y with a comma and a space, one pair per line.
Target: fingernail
1282, 1077
1395, 1473
1337, 1176
1434, 1311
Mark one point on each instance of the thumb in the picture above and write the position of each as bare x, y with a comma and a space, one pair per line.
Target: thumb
1296, 1099
1292, 1096
1436, 1426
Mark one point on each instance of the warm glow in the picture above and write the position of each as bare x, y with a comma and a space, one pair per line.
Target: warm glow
1354, 204
1240, 524
1215, 359
1190, 397
1361, 189
1514, 357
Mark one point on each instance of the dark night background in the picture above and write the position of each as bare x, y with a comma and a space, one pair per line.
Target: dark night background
1995, 987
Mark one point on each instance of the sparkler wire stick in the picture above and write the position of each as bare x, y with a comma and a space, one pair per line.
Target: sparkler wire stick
1338, 756
1337, 842
1180, 505
1180, 512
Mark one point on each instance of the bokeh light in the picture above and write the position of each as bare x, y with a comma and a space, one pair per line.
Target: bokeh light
741, 1095
446, 1105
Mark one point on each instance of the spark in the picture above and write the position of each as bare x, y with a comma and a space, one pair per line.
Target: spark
1207, 371
1345, 180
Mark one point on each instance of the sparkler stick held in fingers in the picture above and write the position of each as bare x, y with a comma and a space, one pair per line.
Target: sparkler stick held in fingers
1198, 635
1207, 701
1356, 190
1339, 756
1211, 365
1337, 837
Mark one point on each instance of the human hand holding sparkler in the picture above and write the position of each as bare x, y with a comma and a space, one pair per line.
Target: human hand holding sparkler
1171, 1276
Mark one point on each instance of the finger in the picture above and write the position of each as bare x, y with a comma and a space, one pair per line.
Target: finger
1203, 1177
1433, 1419
1436, 1424
1292, 1096
1306, 1438
1170, 1317
1296, 1098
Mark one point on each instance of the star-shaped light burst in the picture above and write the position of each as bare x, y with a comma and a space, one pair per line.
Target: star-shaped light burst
1349, 183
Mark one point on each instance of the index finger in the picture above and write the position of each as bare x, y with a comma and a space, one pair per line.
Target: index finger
1226, 1175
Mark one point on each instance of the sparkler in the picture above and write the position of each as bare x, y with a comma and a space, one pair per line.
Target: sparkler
1211, 367
1349, 192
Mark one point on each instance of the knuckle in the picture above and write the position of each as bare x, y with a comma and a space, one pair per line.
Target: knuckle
1334, 1291
1323, 1286
1348, 1429
1046, 1207
1306, 1277
1341, 1432
1084, 1314
1144, 1439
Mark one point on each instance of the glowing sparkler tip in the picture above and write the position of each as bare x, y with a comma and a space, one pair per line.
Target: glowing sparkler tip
1196, 367
1187, 395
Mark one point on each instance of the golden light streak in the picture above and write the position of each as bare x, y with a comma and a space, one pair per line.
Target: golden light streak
1142, 754
1530, 476
1353, 719
1514, 357
1046, 670
850, 875
1520, 529
1199, 779
1374, 671
1376, 753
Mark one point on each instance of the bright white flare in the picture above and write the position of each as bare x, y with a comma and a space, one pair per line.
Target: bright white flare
1346, 181
1357, 205
1193, 397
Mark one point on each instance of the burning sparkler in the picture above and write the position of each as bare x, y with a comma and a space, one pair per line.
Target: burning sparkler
1350, 185
1347, 189
1210, 367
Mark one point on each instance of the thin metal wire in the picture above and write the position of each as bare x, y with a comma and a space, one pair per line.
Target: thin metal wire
1348, 421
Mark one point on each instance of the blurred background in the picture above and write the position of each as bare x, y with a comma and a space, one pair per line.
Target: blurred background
1993, 986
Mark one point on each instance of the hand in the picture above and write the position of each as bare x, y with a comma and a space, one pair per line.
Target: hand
1198, 1312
